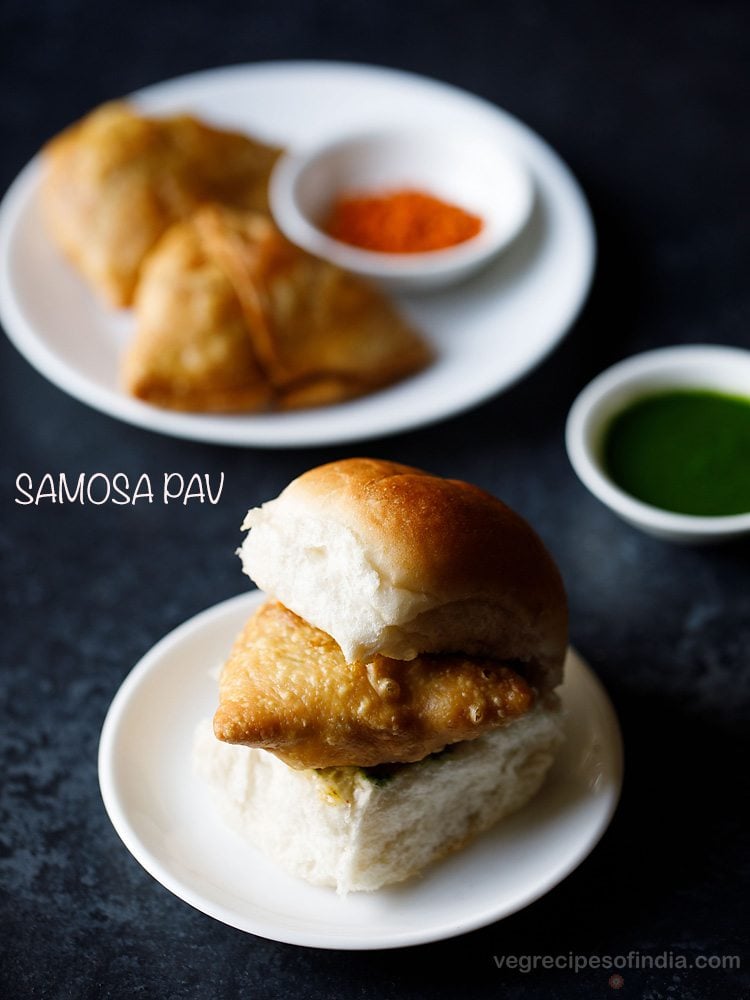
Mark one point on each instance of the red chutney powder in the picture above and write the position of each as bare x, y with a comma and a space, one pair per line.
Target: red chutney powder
400, 222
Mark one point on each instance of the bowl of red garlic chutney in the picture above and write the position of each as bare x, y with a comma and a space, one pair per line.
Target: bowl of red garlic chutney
410, 208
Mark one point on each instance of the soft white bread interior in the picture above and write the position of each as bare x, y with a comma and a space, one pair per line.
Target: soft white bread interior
358, 830
389, 559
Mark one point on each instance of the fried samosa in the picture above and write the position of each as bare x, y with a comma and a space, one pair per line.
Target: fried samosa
191, 350
116, 180
287, 688
317, 334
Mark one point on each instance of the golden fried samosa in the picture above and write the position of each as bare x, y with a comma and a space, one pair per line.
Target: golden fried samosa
317, 334
191, 350
321, 335
230, 168
116, 180
287, 688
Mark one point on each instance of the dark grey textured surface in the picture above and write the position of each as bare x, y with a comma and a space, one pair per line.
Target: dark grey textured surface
649, 106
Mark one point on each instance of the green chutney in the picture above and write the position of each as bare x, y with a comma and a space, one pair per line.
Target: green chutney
684, 450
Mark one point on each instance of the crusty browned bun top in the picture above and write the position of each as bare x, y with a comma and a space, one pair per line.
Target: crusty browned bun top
389, 559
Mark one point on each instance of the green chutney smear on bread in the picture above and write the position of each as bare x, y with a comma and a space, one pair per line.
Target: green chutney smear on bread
684, 450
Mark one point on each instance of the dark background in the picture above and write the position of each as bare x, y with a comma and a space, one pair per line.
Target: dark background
649, 105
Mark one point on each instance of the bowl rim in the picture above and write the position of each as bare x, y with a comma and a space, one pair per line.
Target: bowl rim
298, 228
586, 415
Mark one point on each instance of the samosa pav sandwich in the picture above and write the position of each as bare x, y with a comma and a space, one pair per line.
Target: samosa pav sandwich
394, 695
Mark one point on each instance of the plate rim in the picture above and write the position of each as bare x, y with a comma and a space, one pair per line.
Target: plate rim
242, 432
305, 937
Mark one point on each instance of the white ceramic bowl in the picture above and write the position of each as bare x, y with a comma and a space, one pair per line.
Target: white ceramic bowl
468, 170
726, 369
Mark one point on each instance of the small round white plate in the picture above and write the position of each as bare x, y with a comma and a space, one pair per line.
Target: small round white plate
165, 817
487, 332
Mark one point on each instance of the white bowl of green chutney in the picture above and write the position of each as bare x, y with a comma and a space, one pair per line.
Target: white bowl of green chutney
663, 439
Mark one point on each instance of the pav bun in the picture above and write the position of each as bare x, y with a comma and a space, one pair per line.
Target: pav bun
391, 560
357, 830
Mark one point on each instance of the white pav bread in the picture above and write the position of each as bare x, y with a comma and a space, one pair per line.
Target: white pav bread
353, 830
388, 559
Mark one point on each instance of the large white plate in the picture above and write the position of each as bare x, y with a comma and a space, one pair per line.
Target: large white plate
166, 819
487, 333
